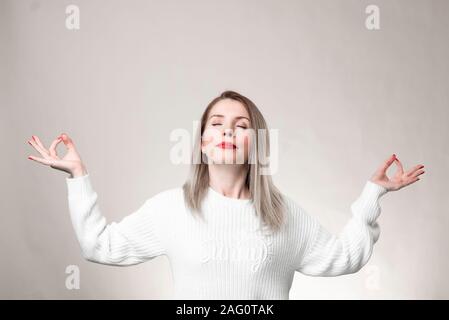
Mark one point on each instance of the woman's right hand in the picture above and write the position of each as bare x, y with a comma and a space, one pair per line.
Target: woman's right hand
70, 163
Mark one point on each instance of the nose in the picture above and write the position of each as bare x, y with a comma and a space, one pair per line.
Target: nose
228, 132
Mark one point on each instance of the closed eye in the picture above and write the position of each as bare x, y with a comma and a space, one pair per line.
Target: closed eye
219, 124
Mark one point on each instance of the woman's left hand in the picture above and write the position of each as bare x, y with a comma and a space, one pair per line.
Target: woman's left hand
400, 178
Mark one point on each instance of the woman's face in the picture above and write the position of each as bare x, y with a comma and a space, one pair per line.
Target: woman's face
226, 135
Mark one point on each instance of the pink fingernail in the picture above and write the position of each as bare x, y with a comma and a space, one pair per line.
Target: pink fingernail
30, 158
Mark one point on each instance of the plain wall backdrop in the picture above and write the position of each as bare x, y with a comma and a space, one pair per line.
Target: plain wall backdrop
343, 97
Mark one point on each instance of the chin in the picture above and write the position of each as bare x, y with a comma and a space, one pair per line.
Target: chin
228, 160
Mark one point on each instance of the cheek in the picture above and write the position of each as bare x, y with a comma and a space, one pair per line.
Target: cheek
242, 140
211, 137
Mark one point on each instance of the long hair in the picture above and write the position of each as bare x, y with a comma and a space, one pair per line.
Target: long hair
266, 198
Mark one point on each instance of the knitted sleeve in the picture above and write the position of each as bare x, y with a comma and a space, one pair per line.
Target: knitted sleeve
327, 254
131, 241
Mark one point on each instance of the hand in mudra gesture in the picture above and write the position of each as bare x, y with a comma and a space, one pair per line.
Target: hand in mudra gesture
70, 163
400, 179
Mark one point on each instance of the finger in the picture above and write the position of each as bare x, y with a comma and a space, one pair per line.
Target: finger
383, 168
39, 149
53, 147
67, 141
413, 180
417, 173
412, 170
47, 162
399, 164
38, 142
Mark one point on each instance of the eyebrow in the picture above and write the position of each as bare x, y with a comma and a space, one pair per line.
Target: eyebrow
220, 115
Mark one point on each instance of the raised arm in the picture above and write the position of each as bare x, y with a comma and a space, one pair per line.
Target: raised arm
347, 252
133, 240
326, 254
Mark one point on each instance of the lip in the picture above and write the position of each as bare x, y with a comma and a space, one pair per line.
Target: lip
226, 145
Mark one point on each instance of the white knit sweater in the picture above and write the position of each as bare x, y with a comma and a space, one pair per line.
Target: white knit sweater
230, 255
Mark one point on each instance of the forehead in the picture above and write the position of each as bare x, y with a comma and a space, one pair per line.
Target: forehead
229, 108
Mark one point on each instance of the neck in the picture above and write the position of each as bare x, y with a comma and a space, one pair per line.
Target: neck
229, 180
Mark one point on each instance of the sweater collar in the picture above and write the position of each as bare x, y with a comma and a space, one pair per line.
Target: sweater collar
225, 199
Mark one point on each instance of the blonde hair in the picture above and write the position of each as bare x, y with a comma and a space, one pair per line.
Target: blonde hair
268, 201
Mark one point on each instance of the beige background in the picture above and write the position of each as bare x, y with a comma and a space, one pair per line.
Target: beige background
343, 97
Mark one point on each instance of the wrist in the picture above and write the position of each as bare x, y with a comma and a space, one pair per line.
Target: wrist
78, 172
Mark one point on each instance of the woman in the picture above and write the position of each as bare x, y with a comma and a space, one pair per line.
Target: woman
228, 232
